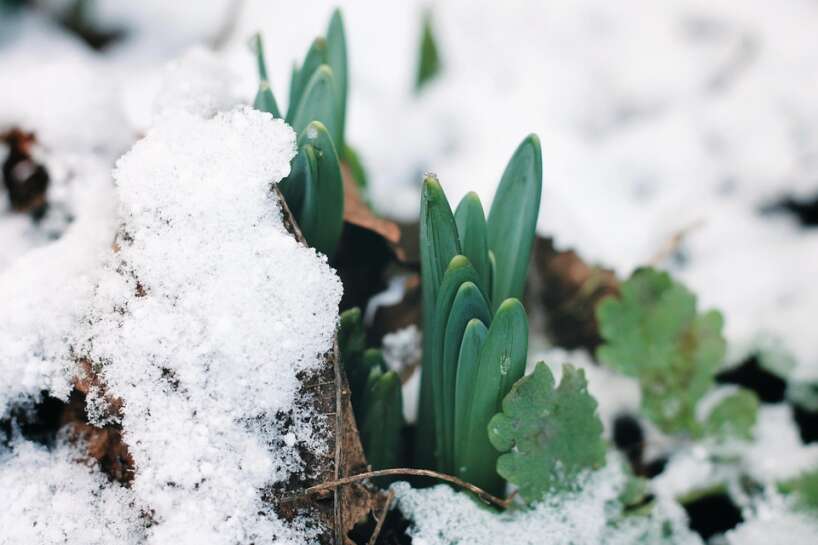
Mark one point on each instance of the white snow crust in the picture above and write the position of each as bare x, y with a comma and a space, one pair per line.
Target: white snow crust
202, 321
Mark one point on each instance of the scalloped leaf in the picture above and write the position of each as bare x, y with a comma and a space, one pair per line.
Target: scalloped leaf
653, 332
548, 435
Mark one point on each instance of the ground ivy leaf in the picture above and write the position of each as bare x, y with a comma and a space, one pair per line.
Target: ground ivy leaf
654, 333
548, 435
733, 416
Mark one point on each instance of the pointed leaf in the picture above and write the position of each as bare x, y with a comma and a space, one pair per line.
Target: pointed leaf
316, 57
459, 272
318, 103
382, 421
265, 101
502, 363
471, 228
467, 367
322, 215
337, 60
469, 303
438, 245
512, 221
429, 56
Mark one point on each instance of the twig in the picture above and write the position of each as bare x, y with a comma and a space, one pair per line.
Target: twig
379, 526
339, 436
674, 242
477, 491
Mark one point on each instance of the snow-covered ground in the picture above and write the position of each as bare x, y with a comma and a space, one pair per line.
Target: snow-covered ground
655, 119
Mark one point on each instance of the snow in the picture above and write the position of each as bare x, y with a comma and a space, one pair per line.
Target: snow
773, 519
49, 498
688, 115
584, 518
203, 320
44, 289
777, 452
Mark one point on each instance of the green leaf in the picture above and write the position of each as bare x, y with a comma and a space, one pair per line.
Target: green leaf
300, 81
322, 214
356, 167
654, 333
734, 416
480, 391
429, 57
318, 104
438, 245
382, 421
258, 48
468, 364
471, 228
512, 220
469, 303
265, 100
805, 489
351, 348
459, 272
292, 187
548, 435
337, 60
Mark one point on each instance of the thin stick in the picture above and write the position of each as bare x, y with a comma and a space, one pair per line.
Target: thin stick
674, 242
374, 537
479, 492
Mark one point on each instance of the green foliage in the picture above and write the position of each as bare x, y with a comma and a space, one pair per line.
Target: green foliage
265, 100
429, 58
375, 393
482, 382
653, 332
314, 189
805, 489
439, 244
475, 345
548, 435
734, 416
382, 419
471, 229
512, 220
317, 112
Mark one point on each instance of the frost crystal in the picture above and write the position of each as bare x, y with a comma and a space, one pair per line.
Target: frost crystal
202, 321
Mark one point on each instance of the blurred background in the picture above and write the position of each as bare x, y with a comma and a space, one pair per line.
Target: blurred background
681, 133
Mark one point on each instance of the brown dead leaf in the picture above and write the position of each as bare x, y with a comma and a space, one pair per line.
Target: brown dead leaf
569, 289
357, 212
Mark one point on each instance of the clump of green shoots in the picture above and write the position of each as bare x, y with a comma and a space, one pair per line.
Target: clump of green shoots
475, 344
314, 189
375, 391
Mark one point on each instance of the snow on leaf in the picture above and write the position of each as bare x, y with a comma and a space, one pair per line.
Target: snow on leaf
653, 332
549, 435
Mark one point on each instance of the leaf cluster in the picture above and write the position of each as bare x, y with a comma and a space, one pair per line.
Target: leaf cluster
473, 272
317, 112
375, 391
654, 332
